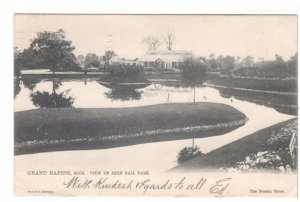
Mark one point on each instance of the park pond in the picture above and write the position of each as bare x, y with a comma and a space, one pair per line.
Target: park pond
93, 93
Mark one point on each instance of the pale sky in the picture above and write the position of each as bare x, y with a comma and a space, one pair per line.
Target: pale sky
257, 36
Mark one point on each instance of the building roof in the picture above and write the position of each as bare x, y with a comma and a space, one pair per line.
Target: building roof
166, 56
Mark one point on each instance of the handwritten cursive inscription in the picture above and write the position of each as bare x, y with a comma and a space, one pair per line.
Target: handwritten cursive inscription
218, 188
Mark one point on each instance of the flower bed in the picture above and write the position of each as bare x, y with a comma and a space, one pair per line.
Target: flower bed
114, 138
276, 157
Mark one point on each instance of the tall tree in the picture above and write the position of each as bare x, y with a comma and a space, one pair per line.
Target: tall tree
226, 64
169, 40
212, 62
108, 55
53, 50
17, 71
279, 64
292, 64
91, 60
193, 72
17, 62
80, 60
152, 42
247, 61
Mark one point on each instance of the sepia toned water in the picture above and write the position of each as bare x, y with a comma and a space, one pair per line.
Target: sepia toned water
158, 156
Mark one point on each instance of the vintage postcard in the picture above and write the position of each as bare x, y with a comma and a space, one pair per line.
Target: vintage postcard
155, 105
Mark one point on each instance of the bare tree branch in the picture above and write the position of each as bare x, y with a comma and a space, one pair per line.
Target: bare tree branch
152, 42
169, 39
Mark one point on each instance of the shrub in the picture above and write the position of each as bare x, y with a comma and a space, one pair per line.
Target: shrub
276, 157
188, 153
274, 161
281, 138
118, 69
161, 70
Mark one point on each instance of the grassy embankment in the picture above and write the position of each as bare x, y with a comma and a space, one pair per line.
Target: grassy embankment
160, 75
280, 94
46, 130
105, 77
64, 76
228, 155
257, 84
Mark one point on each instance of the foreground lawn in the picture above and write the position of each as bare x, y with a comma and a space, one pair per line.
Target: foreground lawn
228, 155
45, 130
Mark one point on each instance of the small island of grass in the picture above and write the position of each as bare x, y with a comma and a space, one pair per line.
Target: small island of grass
59, 129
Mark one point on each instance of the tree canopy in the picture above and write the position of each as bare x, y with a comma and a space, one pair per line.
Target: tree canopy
91, 60
17, 64
49, 50
193, 72
108, 55
278, 68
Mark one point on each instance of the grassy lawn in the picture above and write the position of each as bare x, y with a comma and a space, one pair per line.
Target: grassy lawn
70, 128
228, 155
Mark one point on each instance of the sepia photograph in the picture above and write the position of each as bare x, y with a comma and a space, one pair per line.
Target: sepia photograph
155, 105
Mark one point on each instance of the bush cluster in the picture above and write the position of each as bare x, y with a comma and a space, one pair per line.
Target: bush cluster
270, 69
274, 161
280, 139
188, 153
276, 157
119, 69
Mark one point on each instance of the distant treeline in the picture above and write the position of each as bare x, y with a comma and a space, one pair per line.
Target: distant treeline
247, 67
51, 50
277, 68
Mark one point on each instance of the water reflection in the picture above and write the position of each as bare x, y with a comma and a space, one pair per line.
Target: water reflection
286, 104
91, 93
124, 92
30, 83
52, 100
